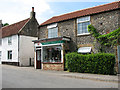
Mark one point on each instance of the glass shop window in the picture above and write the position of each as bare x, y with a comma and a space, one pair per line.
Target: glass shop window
52, 54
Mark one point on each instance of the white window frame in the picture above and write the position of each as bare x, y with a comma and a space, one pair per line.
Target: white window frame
83, 22
8, 54
10, 40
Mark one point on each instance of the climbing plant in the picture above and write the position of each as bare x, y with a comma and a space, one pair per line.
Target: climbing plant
109, 39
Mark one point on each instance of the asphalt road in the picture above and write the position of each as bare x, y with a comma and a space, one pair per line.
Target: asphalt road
21, 77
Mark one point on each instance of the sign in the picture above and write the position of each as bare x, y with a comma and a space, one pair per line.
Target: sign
84, 50
66, 39
52, 42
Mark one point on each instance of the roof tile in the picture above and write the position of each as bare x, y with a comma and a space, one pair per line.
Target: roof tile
84, 12
13, 28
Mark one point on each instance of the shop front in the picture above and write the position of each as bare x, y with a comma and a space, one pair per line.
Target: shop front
49, 53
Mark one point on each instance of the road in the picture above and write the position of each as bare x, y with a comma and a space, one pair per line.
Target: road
27, 77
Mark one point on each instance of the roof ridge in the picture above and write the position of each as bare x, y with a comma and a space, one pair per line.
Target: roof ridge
13, 29
83, 12
15, 23
86, 9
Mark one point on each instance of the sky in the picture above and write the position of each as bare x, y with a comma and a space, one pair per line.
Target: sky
13, 11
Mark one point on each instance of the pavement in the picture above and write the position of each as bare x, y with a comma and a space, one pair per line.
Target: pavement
98, 77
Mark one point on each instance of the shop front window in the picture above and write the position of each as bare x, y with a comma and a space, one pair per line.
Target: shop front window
52, 54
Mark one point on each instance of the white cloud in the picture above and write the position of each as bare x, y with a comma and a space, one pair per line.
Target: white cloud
16, 10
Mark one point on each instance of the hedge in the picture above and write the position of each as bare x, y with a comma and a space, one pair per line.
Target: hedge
100, 63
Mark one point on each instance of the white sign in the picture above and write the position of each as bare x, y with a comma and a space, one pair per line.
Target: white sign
84, 50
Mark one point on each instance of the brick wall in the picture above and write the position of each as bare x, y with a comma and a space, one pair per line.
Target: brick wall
53, 66
103, 22
68, 28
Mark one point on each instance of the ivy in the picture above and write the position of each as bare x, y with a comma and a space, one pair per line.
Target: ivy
109, 39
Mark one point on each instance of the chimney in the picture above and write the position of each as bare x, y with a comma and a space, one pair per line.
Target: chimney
32, 14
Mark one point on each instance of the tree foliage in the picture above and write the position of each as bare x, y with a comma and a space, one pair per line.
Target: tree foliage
5, 24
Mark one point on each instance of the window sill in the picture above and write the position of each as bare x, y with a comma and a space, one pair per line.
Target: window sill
9, 59
83, 34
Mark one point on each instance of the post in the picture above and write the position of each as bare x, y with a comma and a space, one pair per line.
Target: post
118, 54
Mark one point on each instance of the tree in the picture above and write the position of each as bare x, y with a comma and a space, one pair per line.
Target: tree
5, 24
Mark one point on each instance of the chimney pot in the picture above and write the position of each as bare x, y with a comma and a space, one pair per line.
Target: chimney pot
32, 9
32, 13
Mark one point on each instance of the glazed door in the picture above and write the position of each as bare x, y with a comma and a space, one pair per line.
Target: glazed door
38, 59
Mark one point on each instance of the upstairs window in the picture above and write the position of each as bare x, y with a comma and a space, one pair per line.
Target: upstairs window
9, 40
9, 54
52, 31
82, 24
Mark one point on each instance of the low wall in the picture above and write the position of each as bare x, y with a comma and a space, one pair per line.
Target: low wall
53, 66
11, 63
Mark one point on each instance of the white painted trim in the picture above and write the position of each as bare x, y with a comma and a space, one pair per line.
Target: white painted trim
83, 21
66, 39
62, 56
41, 57
52, 44
83, 34
52, 26
35, 66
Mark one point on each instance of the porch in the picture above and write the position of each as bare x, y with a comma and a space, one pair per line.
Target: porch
49, 53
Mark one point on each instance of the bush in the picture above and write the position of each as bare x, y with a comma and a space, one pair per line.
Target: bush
101, 63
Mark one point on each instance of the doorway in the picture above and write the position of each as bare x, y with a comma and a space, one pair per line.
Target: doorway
38, 59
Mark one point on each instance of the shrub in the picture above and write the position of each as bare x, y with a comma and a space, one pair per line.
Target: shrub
100, 63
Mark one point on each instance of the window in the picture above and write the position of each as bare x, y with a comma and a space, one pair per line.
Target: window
0, 41
52, 54
9, 40
9, 54
82, 24
53, 32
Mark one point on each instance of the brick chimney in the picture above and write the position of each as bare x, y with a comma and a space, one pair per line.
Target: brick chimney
32, 13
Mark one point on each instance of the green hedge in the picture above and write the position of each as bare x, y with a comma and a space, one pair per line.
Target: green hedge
101, 63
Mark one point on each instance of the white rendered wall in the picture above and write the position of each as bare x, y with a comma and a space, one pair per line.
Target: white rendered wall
26, 49
5, 48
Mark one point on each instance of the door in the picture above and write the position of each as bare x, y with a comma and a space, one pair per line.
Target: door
38, 59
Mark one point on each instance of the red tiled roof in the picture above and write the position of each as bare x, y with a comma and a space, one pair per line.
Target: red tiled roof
84, 12
13, 28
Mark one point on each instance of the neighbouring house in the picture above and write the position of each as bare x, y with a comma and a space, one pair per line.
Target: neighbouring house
68, 33
16, 46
